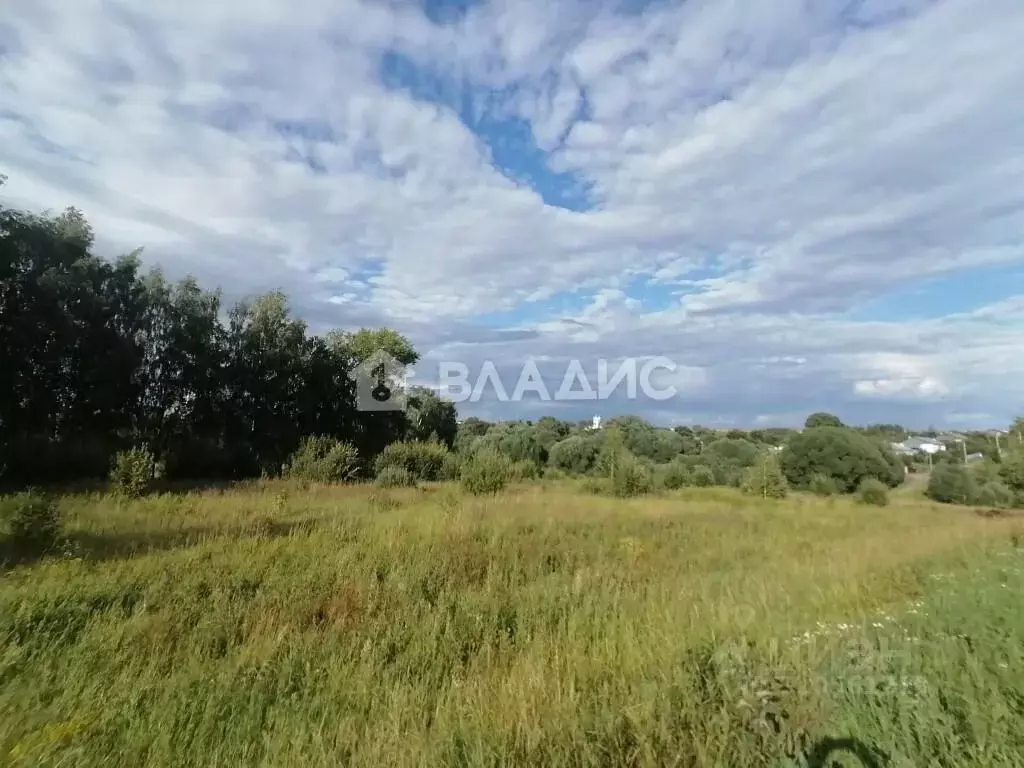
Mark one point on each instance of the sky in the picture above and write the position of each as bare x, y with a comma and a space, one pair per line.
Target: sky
804, 204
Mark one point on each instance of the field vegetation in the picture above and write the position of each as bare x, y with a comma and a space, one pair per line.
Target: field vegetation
286, 623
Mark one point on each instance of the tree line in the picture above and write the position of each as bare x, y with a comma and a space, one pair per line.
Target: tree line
98, 356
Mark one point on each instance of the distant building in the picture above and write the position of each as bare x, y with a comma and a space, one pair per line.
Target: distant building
913, 446
596, 423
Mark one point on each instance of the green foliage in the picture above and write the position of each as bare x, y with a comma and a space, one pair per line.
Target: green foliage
32, 522
366, 342
674, 475
995, 494
322, 459
423, 460
394, 476
575, 454
873, 491
132, 473
739, 452
951, 484
487, 471
702, 476
430, 418
842, 454
451, 467
822, 485
822, 419
518, 442
1012, 471
110, 357
765, 479
630, 477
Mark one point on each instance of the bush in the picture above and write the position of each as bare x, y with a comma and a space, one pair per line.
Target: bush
32, 521
486, 471
575, 455
995, 494
702, 476
765, 479
846, 456
395, 477
423, 460
951, 484
451, 467
630, 477
132, 473
674, 475
823, 485
322, 459
873, 491
1011, 471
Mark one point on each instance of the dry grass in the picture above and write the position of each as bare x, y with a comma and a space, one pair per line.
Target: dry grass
269, 625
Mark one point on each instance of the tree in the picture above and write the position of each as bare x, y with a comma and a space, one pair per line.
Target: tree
431, 417
99, 357
765, 479
822, 419
366, 342
576, 454
840, 453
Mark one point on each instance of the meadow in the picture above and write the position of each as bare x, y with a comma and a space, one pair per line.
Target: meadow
277, 624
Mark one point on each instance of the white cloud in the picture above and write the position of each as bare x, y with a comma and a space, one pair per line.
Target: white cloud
774, 164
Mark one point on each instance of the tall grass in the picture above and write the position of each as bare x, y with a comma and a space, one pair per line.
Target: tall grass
269, 625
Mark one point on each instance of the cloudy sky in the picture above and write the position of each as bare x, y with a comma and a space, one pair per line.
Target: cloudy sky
805, 204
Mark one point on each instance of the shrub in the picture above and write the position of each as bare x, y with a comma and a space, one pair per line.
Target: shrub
765, 479
395, 477
1011, 471
575, 454
873, 491
322, 459
823, 485
674, 475
630, 477
423, 460
846, 456
451, 467
995, 494
32, 521
486, 471
951, 484
132, 473
702, 476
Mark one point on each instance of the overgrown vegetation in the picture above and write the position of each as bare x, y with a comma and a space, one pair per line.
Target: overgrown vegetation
266, 625
30, 523
133, 473
487, 471
323, 459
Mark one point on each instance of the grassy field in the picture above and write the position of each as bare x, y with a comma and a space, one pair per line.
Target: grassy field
270, 625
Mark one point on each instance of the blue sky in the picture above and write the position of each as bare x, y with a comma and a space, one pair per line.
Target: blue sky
805, 205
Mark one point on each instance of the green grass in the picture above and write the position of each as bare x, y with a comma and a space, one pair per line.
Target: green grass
269, 625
